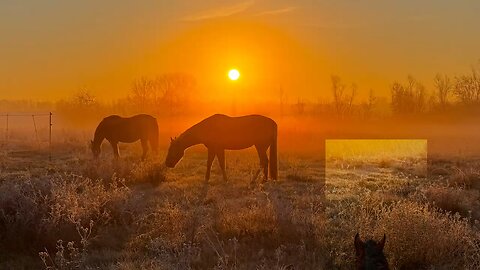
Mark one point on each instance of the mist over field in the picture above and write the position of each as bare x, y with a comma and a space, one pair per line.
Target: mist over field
445, 115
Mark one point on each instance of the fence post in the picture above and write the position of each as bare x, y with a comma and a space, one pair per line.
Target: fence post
36, 132
50, 138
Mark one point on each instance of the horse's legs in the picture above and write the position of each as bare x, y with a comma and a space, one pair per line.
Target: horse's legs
144, 148
221, 162
154, 145
262, 155
211, 157
115, 149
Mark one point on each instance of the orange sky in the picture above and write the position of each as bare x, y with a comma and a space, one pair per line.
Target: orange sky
52, 49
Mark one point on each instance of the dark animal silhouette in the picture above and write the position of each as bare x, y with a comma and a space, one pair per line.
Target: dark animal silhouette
220, 132
117, 129
369, 254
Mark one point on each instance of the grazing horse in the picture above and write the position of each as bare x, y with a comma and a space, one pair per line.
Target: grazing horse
220, 132
117, 129
370, 255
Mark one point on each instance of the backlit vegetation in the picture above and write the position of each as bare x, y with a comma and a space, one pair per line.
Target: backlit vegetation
80, 213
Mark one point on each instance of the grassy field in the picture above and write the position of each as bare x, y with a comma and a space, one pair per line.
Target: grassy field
78, 213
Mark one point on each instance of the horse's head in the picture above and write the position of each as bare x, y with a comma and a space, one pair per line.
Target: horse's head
95, 149
175, 153
369, 254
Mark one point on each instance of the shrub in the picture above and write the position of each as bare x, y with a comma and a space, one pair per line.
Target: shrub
468, 178
454, 199
165, 228
36, 212
418, 235
148, 171
250, 219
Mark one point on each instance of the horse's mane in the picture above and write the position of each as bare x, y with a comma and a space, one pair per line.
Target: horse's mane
102, 123
191, 129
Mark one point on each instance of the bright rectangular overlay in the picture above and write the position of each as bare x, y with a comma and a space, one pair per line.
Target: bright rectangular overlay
353, 164
376, 149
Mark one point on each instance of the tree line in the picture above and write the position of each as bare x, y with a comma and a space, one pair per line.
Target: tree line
176, 94
410, 97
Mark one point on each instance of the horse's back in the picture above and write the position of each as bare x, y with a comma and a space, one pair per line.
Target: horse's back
143, 123
129, 129
237, 132
112, 118
241, 121
142, 117
139, 119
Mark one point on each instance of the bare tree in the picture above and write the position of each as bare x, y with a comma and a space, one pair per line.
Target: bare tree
81, 108
84, 98
467, 88
408, 98
338, 89
143, 93
443, 88
342, 98
176, 90
171, 91
350, 98
369, 104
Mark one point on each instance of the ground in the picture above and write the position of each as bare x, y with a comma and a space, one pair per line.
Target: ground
75, 212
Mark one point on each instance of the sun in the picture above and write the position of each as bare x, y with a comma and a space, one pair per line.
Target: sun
233, 74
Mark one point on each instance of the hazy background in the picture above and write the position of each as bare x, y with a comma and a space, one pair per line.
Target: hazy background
321, 69
51, 49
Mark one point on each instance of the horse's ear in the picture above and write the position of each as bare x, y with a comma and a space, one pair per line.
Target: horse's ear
171, 139
359, 245
381, 244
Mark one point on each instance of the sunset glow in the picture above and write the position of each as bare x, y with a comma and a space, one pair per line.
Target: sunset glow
300, 45
233, 74
229, 134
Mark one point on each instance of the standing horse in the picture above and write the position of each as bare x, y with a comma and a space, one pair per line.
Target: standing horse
220, 132
370, 255
117, 129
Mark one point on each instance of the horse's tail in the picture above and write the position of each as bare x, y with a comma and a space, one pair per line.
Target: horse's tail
154, 136
273, 155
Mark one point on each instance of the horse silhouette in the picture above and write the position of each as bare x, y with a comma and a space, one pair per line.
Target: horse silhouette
117, 129
220, 132
369, 254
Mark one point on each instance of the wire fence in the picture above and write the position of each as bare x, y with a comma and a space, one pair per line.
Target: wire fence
34, 116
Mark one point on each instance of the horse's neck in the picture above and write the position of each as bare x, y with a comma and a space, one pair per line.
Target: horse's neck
99, 137
189, 138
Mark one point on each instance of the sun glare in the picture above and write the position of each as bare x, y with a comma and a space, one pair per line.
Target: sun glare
233, 74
